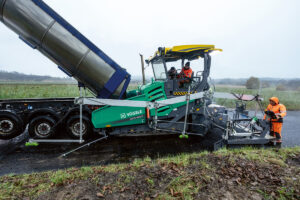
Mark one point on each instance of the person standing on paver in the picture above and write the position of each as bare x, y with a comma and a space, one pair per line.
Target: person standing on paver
275, 113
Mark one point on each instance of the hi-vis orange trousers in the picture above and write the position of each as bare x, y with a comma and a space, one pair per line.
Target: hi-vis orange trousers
276, 131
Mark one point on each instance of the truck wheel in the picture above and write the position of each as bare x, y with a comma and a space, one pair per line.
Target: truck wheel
73, 127
41, 127
11, 126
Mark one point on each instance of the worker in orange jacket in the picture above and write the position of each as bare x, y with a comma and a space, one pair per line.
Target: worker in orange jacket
186, 74
275, 113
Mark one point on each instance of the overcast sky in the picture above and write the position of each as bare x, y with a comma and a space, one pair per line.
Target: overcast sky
259, 37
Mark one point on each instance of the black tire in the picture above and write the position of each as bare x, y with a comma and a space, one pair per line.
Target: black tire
11, 126
42, 127
73, 127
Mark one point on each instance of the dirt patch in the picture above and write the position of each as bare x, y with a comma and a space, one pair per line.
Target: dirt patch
238, 178
294, 161
81, 190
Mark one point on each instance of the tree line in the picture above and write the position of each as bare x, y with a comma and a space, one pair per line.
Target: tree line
20, 77
281, 85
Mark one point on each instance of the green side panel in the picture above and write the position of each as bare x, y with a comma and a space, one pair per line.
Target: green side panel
113, 116
118, 116
153, 91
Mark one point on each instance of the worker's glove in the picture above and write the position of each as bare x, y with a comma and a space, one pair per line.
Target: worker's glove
268, 112
271, 114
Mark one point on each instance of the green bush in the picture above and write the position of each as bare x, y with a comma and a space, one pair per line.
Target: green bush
265, 84
281, 88
253, 83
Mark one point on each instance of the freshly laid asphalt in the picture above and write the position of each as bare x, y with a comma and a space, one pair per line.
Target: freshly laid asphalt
291, 129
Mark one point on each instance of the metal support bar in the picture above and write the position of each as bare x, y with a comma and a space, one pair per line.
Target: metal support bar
246, 134
227, 130
155, 117
80, 107
140, 104
186, 111
143, 69
54, 141
87, 144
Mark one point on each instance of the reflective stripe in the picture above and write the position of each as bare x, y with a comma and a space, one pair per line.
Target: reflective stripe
182, 93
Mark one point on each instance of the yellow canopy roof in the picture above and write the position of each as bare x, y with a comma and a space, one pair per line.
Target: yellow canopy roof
189, 52
190, 48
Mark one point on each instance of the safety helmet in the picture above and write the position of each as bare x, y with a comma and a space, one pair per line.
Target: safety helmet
274, 99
